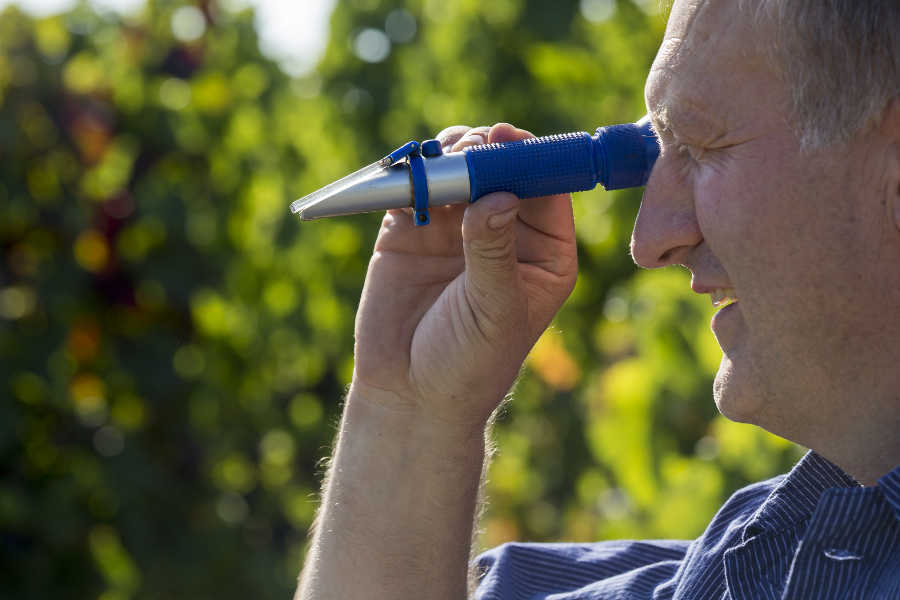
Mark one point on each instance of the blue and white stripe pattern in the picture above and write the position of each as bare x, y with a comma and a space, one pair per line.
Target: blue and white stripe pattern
813, 534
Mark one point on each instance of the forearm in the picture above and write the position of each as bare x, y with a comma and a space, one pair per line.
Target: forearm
397, 509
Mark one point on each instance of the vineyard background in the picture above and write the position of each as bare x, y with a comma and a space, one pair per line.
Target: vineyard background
174, 345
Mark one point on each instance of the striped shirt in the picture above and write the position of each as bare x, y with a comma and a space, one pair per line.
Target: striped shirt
813, 534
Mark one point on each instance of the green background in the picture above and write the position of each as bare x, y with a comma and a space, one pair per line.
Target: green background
174, 345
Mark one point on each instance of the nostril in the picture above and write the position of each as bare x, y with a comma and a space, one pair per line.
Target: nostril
666, 257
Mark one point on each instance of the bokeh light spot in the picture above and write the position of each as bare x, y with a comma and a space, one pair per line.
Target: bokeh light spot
343, 240
356, 99
553, 363
174, 93
400, 26
250, 81
212, 314
201, 227
615, 309
30, 388
108, 178
17, 301
52, 39
305, 411
109, 441
135, 241
83, 73
92, 136
84, 340
189, 361
299, 506
280, 297
128, 412
597, 11
307, 87
441, 11
188, 23
88, 394
372, 45
43, 184
651, 7
37, 125
232, 508
211, 93
707, 448
91, 251
277, 447
235, 473
245, 130
324, 312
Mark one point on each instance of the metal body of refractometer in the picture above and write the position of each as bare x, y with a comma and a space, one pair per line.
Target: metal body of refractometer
616, 157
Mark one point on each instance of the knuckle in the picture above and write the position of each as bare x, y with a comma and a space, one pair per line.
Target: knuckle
495, 249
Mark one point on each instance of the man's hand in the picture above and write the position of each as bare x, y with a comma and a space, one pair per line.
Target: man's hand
449, 311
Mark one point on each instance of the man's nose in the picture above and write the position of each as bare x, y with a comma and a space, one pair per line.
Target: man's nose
666, 227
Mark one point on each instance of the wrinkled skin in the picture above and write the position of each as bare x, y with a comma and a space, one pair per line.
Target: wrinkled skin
808, 240
448, 314
445, 340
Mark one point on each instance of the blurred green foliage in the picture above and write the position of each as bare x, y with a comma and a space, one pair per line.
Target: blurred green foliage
174, 345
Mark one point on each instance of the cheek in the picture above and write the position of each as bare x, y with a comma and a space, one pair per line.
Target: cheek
787, 233
751, 227
739, 219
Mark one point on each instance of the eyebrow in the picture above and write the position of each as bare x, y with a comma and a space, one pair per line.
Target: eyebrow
685, 117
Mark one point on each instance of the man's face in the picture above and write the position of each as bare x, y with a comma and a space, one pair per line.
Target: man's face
800, 238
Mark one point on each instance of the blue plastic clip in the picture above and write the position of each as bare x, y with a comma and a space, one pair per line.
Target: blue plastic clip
411, 152
420, 188
400, 153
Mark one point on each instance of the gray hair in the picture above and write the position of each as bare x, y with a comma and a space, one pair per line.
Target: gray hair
841, 59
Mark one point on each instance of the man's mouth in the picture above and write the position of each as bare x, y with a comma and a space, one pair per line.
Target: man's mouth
723, 297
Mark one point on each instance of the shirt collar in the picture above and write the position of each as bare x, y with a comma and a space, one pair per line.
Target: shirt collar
890, 487
795, 498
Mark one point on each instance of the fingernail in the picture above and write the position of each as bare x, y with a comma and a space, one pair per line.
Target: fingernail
501, 220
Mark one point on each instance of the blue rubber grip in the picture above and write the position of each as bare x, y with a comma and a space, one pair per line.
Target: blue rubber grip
625, 154
555, 164
618, 157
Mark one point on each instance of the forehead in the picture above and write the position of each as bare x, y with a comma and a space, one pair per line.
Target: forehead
710, 65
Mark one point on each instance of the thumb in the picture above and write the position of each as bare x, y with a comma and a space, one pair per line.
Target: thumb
489, 244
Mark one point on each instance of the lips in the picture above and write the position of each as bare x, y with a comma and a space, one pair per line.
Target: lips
722, 296
721, 293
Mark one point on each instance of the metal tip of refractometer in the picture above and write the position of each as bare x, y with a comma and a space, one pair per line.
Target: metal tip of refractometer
308, 207
386, 189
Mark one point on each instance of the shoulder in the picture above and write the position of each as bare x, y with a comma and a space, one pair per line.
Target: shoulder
518, 569
600, 552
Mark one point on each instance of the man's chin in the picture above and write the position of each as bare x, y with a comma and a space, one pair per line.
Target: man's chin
735, 392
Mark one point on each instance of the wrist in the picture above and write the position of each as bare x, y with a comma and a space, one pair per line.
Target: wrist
401, 490
407, 417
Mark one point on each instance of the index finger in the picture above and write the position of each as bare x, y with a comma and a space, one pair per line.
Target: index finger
453, 134
550, 215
